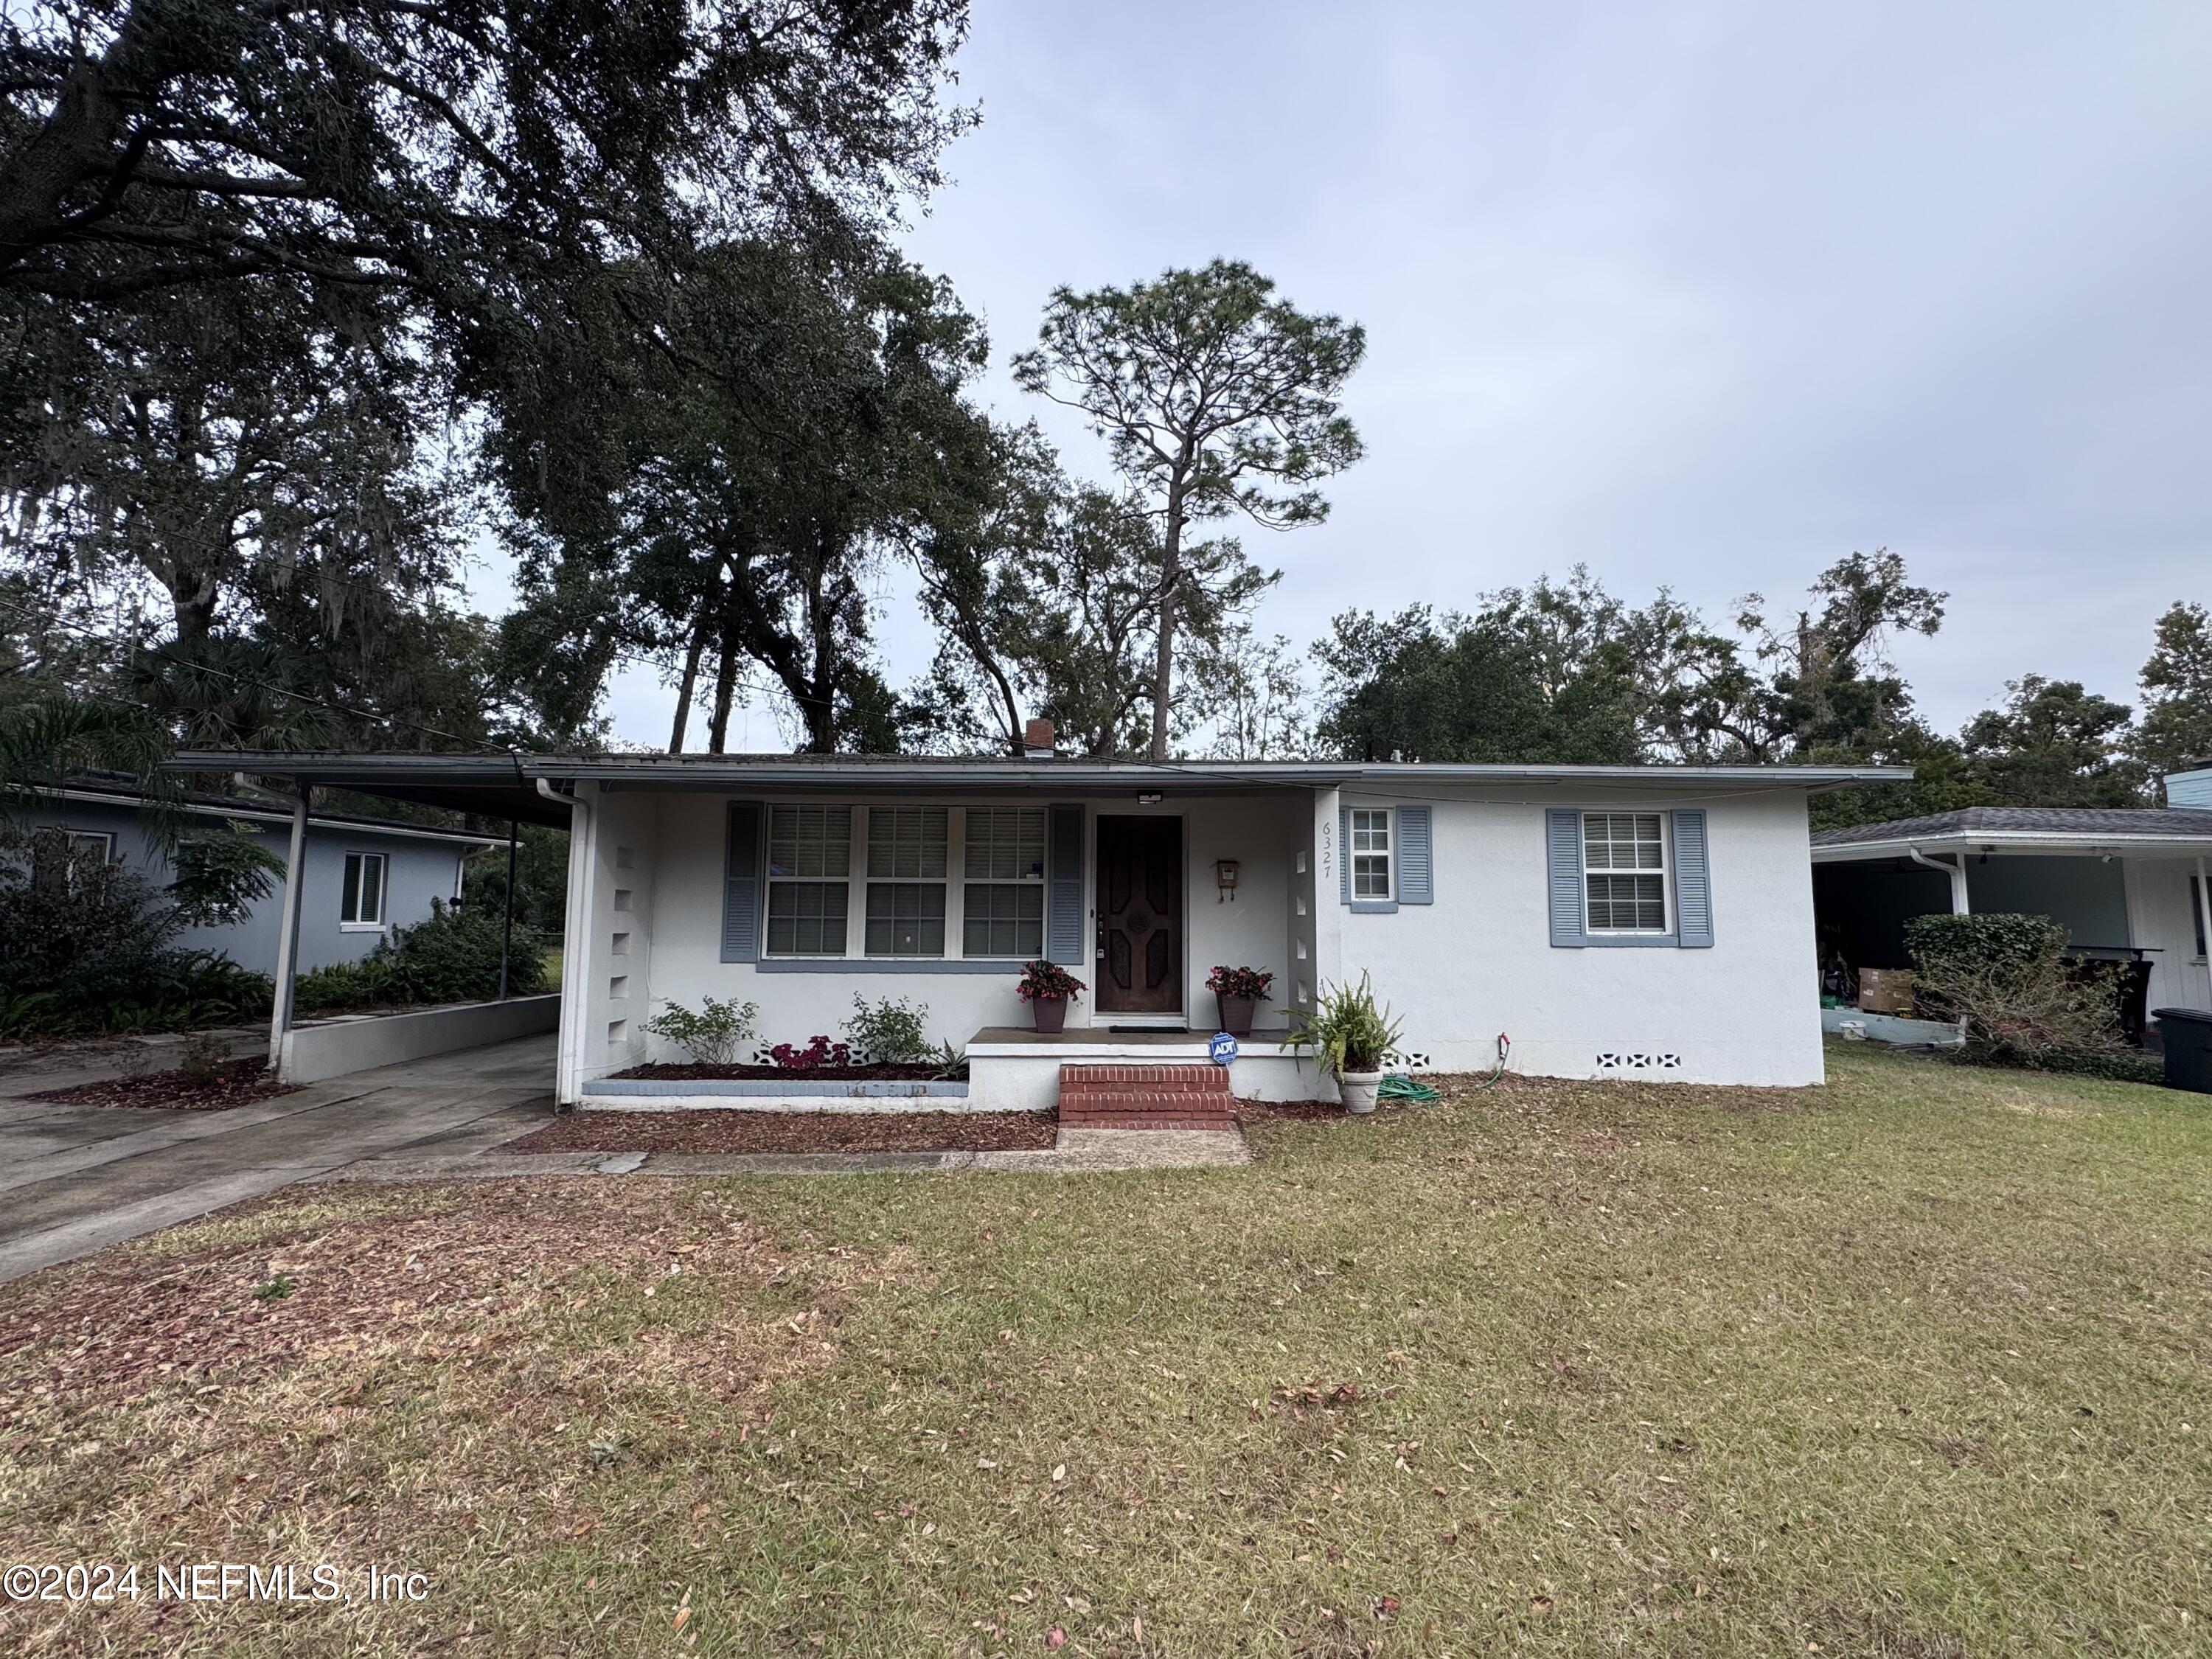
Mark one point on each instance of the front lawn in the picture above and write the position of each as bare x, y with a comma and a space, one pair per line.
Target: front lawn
1913, 1365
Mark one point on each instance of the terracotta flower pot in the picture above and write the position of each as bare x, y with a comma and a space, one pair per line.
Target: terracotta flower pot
1235, 1015
1051, 1014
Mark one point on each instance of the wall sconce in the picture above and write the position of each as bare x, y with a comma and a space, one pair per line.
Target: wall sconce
1225, 878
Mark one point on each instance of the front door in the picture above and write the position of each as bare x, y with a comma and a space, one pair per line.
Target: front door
1140, 963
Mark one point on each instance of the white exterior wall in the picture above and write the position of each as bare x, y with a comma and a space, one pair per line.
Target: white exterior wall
681, 889
1476, 961
1480, 960
2159, 923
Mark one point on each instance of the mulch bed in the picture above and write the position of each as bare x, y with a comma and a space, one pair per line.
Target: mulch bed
233, 1082
792, 1132
670, 1072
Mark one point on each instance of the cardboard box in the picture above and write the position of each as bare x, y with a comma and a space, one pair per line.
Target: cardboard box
1885, 991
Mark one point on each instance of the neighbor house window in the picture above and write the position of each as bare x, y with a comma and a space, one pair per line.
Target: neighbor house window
59, 853
1370, 853
361, 900
1002, 911
810, 863
2196, 914
907, 849
1625, 872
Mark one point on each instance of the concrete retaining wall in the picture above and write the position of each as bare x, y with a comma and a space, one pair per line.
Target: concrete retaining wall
335, 1047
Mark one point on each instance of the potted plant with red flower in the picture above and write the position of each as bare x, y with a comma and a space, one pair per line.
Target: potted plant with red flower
1047, 987
1236, 989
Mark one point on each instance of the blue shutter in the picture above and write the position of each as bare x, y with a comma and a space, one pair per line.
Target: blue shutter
1693, 885
1415, 885
1063, 880
1344, 854
741, 882
1563, 830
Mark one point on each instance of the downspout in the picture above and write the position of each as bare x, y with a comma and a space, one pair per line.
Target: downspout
575, 933
2204, 920
288, 932
1956, 871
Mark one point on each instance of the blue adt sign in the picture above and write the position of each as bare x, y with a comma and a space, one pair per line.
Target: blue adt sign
1223, 1047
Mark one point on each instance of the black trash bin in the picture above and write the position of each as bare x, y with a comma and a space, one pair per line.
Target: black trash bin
2188, 1034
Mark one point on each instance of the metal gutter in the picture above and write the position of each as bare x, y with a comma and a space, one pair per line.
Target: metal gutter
847, 774
270, 815
2009, 840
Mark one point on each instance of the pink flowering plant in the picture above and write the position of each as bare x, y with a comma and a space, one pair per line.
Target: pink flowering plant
1048, 979
1247, 982
818, 1052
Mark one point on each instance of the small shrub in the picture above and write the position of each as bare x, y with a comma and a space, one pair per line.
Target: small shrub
204, 1055
452, 957
2003, 977
715, 1035
1348, 1031
892, 1032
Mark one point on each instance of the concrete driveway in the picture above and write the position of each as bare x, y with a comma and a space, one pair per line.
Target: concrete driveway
74, 1179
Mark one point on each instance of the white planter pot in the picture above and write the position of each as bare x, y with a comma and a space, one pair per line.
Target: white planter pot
1357, 1089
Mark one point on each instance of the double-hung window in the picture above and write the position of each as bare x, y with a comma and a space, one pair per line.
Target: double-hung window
1624, 872
361, 897
810, 863
1371, 855
2197, 914
907, 855
1002, 902
59, 853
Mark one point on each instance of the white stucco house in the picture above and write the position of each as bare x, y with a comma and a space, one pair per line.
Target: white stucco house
1653, 922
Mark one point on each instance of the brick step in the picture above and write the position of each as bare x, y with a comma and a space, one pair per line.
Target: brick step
1145, 1098
1203, 1079
1146, 1120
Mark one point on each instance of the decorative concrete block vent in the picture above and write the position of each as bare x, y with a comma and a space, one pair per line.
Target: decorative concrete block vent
1145, 1098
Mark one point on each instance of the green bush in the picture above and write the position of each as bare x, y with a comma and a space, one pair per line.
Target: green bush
892, 1032
453, 957
715, 1035
89, 947
1999, 943
2004, 979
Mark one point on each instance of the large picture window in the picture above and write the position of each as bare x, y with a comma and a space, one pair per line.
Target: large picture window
1625, 872
361, 897
1002, 905
1371, 853
907, 850
810, 863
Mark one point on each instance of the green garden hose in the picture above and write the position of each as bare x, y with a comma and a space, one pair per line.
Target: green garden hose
1399, 1086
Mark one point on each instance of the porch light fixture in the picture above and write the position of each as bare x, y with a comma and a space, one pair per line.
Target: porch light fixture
1148, 798
1225, 878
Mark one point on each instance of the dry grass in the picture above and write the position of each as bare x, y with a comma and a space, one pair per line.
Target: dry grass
1913, 1365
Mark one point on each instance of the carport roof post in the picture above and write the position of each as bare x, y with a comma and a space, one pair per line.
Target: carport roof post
288, 932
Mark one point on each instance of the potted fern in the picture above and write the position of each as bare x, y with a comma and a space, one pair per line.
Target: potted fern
1351, 1036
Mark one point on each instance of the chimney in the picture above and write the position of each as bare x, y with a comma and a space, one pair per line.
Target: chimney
1036, 740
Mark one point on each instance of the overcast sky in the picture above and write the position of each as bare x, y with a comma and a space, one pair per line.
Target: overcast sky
1702, 295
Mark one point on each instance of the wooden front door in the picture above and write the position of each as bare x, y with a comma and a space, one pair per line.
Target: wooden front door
1139, 956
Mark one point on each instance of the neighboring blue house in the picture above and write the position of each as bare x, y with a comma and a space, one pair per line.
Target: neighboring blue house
364, 876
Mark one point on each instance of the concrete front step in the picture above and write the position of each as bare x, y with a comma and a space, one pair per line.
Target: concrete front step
1145, 1098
